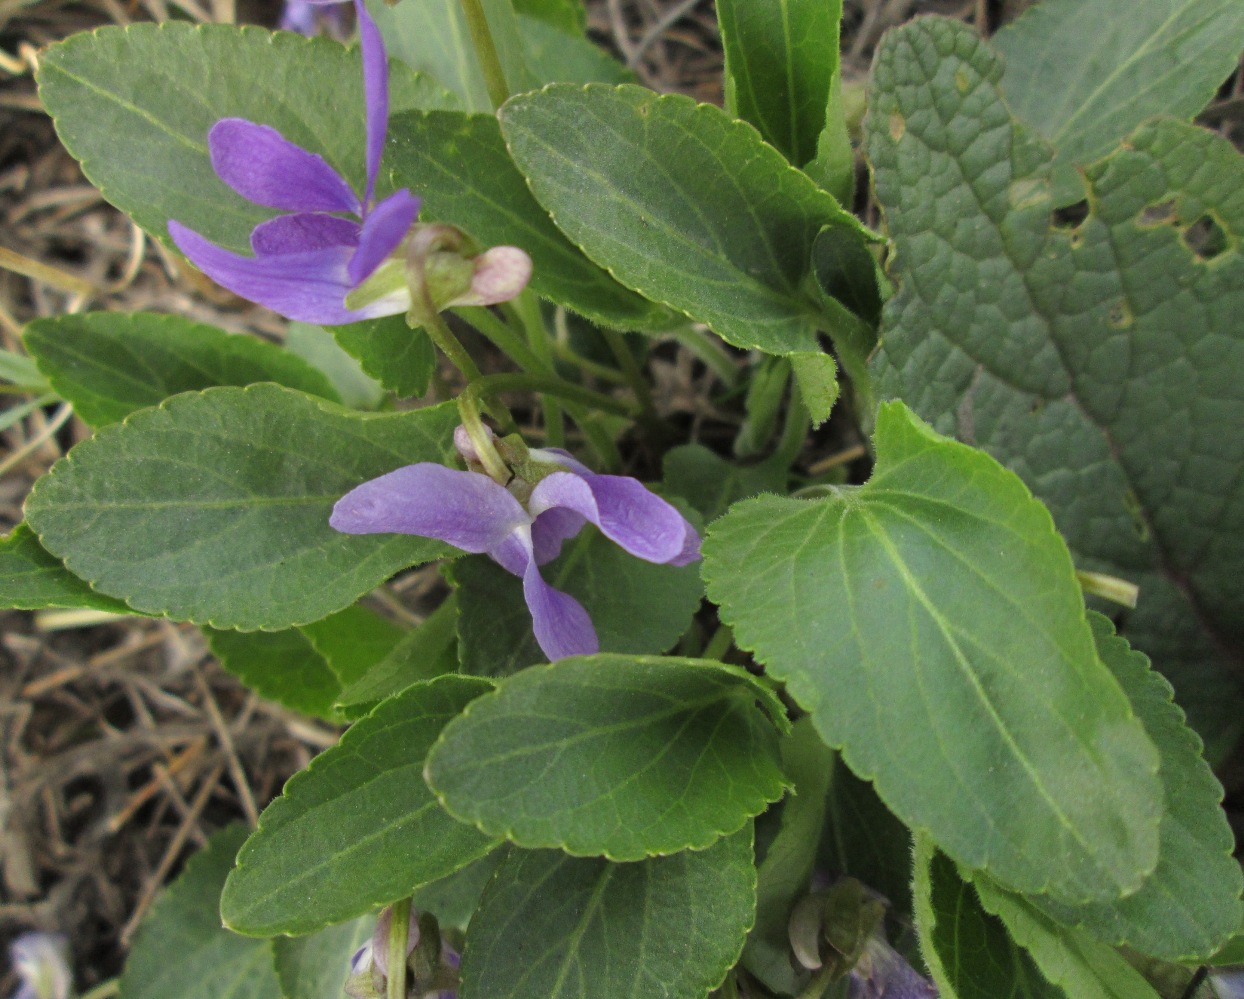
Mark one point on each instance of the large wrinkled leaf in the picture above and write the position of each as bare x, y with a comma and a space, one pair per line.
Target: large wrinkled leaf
556, 927
1084, 73
460, 166
134, 106
214, 507
181, 949
358, 828
620, 756
109, 364
1190, 906
1100, 362
32, 578
679, 202
931, 624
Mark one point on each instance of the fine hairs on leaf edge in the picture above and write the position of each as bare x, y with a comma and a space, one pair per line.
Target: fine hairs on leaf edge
294, 784
570, 848
170, 405
747, 641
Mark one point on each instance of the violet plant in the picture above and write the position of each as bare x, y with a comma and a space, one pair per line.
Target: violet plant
910, 678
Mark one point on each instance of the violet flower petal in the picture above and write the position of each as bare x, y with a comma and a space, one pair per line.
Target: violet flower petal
265, 167
511, 554
302, 232
562, 626
376, 93
310, 287
553, 527
625, 511
383, 230
464, 509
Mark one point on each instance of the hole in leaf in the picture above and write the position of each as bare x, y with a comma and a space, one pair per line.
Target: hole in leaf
1069, 217
1205, 237
1161, 213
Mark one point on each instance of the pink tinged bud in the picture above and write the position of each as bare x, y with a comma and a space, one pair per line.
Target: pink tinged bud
40, 961
380, 940
500, 274
466, 447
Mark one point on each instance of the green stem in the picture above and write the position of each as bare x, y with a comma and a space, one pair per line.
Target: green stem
795, 430
490, 384
527, 309
399, 934
449, 344
719, 644
709, 350
504, 338
481, 440
486, 52
630, 371
820, 982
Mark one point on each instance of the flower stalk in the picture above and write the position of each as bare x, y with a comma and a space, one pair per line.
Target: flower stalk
486, 52
399, 935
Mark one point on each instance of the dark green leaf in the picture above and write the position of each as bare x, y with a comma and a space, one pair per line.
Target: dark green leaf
637, 607
459, 165
952, 712
317, 966
353, 640
1083, 77
423, 653
134, 106
181, 951
710, 483
358, 828
214, 507
556, 927
109, 364
1190, 906
282, 666
968, 951
622, 756
453, 899
400, 358
1111, 348
32, 578
726, 233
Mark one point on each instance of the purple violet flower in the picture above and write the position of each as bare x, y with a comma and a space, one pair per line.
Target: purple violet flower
40, 961
470, 511
307, 262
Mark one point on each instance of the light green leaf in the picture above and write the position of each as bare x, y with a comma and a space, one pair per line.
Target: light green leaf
781, 60
214, 507
398, 357
621, 756
1083, 77
109, 364
317, 966
968, 951
558, 57
569, 16
710, 483
459, 165
282, 666
1190, 906
637, 607
817, 375
556, 927
18, 369
134, 106
32, 578
358, 828
1073, 959
353, 640
320, 349
423, 653
181, 951
931, 624
726, 233
1112, 348
431, 36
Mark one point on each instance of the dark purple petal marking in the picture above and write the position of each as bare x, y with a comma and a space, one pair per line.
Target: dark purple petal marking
383, 231
310, 287
302, 232
561, 625
551, 529
466, 510
376, 94
265, 167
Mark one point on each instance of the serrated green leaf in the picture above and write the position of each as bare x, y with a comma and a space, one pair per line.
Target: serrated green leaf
1111, 349
134, 106
423, 653
109, 364
619, 756
1083, 77
1190, 906
32, 578
725, 236
181, 951
556, 927
353, 640
282, 666
967, 950
710, 483
317, 966
320, 349
637, 607
817, 375
459, 165
214, 507
781, 59
985, 714
398, 357
1072, 959
358, 828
